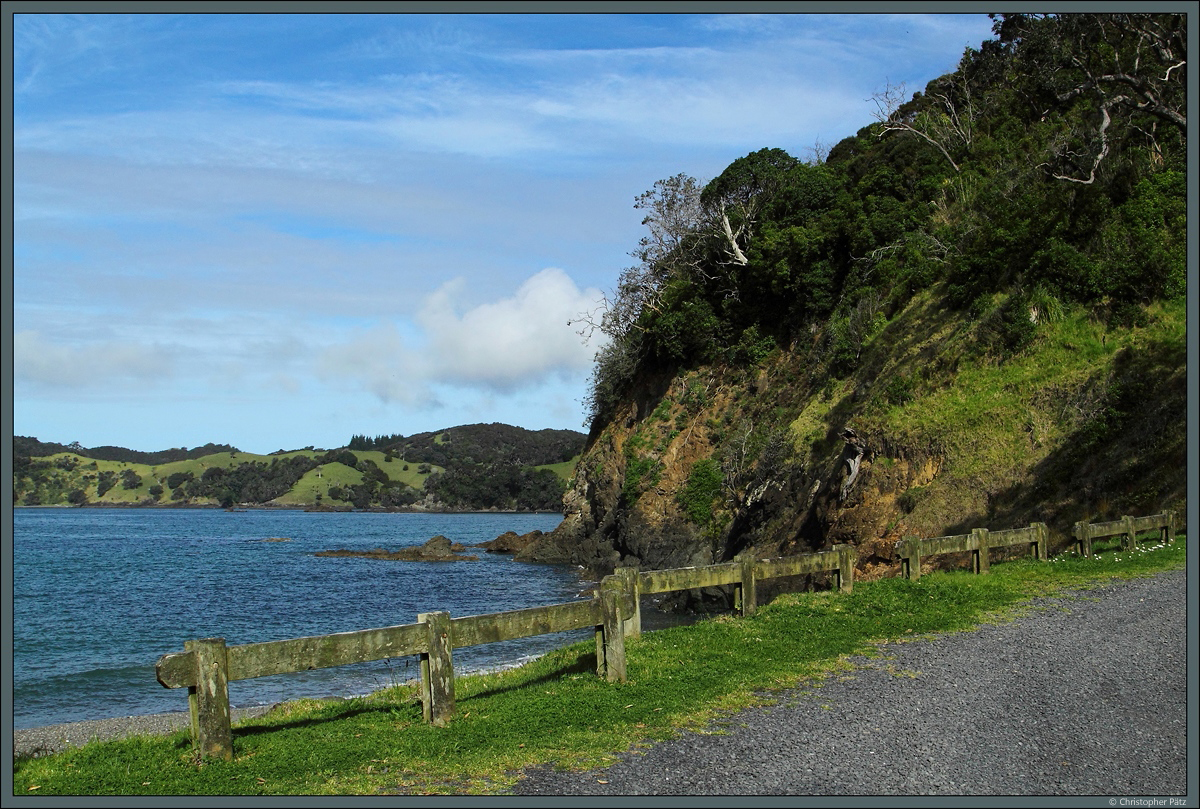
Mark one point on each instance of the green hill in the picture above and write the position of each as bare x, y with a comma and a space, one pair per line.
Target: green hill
491, 467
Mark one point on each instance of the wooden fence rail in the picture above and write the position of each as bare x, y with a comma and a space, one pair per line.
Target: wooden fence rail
1127, 528
206, 666
979, 542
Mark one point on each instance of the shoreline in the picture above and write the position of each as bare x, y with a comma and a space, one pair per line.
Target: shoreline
40, 741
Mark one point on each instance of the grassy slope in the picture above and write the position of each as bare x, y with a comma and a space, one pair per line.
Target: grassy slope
565, 470
556, 710
1007, 435
317, 480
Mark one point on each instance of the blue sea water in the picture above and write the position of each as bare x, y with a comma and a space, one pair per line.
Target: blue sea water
100, 594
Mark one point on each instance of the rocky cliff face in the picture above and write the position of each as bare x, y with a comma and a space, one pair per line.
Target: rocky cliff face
927, 436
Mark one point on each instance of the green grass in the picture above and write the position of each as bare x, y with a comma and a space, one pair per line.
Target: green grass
556, 711
565, 470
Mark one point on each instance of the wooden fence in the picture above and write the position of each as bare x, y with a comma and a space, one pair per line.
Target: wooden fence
1127, 528
207, 666
979, 542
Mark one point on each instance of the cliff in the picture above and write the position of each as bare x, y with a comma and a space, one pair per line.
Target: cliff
969, 314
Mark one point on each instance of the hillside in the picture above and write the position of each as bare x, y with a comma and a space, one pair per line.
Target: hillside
475, 467
969, 314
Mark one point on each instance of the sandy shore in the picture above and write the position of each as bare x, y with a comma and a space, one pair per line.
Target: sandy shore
56, 738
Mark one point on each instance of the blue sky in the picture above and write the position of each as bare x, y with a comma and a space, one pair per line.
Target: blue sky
282, 230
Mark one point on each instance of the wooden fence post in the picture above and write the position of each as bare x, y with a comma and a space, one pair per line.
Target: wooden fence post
612, 650
981, 554
1083, 537
1168, 529
1129, 538
208, 699
1040, 547
847, 558
437, 669
746, 592
910, 560
633, 624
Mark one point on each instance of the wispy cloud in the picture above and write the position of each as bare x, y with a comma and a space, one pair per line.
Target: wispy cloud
270, 209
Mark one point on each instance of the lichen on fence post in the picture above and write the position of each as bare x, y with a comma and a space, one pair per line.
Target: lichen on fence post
979, 538
747, 590
847, 559
910, 559
1083, 538
633, 623
437, 669
208, 699
1040, 546
612, 593
1129, 537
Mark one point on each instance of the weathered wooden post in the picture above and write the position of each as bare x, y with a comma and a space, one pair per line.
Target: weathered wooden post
633, 585
847, 559
979, 537
1040, 547
612, 649
746, 591
437, 669
910, 557
208, 699
1083, 537
1168, 529
1129, 533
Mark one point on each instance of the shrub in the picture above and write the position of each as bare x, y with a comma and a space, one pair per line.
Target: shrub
702, 488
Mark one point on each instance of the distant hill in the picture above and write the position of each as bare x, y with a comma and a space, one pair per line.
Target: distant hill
467, 468
33, 448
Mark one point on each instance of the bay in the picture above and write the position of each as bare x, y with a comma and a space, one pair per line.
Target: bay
100, 594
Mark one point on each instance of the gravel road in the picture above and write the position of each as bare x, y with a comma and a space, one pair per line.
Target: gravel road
1083, 695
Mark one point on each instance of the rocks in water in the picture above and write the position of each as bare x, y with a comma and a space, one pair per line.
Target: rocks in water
510, 542
437, 549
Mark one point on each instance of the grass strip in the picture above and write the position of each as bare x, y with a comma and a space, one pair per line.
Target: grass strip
556, 711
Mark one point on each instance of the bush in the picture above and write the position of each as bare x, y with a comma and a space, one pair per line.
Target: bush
702, 488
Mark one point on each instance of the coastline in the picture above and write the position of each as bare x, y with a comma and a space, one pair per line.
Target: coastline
40, 741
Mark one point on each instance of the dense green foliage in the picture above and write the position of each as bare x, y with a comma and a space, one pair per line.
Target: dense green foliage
1048, 171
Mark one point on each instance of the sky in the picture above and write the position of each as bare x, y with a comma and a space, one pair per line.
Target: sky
278, 231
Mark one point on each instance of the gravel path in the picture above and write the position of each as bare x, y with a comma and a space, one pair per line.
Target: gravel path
1084, 695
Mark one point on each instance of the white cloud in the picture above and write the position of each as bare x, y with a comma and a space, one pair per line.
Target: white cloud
511, 342
54, 365
383, 363
498, 347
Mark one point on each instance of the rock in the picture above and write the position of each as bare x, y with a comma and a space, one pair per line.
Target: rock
510, 542
437, 549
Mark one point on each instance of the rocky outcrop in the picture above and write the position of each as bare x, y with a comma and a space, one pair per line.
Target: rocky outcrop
437, 549
510, 542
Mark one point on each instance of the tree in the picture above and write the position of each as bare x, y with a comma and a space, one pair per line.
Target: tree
673, 249
944, 117
106, 480
734, 200
1103, 78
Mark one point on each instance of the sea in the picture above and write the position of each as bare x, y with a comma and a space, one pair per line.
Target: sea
100, 594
